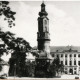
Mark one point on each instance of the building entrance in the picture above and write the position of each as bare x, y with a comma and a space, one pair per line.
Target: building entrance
71, 71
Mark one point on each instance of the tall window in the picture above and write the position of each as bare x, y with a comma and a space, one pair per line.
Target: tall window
74, 55
46, 28
75, 62
66, 62
79, 63
74, 72
78, 55
74, 68
61, 62
70, 63
52, 55
65, 55
57, 55
45, 22
70, 55
61, 55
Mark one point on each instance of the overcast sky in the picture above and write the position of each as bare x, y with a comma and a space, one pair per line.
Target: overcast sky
64, 21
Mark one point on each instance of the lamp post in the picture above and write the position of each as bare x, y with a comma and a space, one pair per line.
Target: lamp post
14, 70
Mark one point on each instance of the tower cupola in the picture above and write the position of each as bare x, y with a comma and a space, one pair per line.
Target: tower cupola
43, 11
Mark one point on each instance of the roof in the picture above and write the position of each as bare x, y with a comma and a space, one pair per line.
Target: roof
63, 48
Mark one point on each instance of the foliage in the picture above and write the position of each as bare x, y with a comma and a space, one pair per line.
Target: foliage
14, 43
19, 47
56, 67
7, 12
30, 68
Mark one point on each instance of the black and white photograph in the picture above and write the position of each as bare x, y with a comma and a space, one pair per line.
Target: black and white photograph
40, 39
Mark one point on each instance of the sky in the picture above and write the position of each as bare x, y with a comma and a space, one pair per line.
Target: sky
64, 21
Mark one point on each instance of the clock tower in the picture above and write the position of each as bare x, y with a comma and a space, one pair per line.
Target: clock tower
43, 35
43, 38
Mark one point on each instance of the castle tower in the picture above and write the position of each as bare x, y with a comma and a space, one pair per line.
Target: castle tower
43, 35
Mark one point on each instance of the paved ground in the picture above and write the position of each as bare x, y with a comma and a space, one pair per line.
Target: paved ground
69, 76
62, 77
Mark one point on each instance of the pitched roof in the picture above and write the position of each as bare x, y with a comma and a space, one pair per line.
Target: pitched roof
64, 48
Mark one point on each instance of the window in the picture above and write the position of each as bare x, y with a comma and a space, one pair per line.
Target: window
61, 62
74, 55
70, 63
57, 55
74, 72
70, 55
56, 50
74, 62
65, 68
65, 55
61, 55
46, 28
79, 63
45, 22
78, 55
66, 62
74, 68
65, 72
52, 55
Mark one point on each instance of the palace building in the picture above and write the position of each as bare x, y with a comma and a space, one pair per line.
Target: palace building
69, 57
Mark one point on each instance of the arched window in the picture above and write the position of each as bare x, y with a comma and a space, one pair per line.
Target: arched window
45, 28
45, 22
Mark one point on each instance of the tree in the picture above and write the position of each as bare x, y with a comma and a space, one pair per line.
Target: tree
56, 67
18, 47
7, 12
19, 56
30, 68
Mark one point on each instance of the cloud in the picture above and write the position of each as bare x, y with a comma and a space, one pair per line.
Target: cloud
64, 29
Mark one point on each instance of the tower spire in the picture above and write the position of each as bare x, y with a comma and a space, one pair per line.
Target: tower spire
43, 38
43, 1
43, 11
43, 31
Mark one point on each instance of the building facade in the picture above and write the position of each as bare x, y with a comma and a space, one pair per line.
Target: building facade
69, 56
